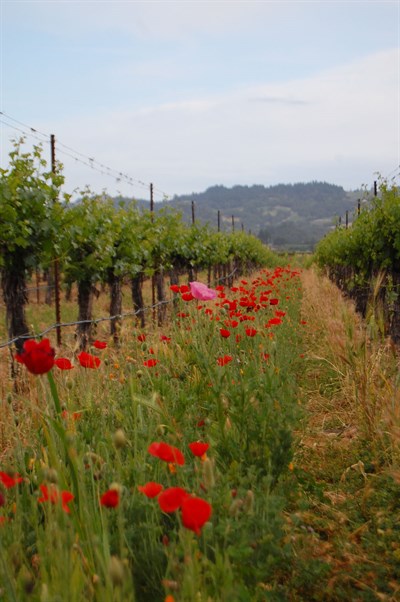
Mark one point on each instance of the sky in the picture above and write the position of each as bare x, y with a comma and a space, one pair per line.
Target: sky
192, 94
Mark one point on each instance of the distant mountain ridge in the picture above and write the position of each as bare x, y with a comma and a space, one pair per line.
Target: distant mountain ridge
287, 216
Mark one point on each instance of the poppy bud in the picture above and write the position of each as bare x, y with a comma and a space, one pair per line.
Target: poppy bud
51, 475
116, 571
248, 504
208, 473
119, 439
235, 507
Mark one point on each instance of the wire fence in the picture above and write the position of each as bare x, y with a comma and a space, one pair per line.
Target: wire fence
94, 321
130, 314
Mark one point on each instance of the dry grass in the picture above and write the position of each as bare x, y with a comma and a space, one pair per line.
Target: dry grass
352, 378
347, 455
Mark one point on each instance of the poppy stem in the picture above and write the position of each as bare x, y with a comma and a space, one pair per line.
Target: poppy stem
54, 392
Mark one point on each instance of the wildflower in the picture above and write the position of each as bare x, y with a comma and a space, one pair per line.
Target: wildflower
195, 513
53, 495
273, 322
87, 360
273, 301
224, 333
150, 363
222, 361
75, 415
251, 332
165, 339
100, 344
167, 453
110, 499
63, 363
174, 288
141, 338
10, 481
171, 499
187, 296
198, 448
151, 489
184, 288
202, 292
37, 357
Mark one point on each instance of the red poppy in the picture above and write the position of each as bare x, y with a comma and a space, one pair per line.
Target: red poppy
164, 338
150, 363
141, 338
37, 357
198, 448
184, 288
222, 361
273, 301
265, 356
273, 322
171, 499
224, 333
174, 288
187, 296
151, 489
53, 495
232, 323
251, 332
87, 360
195, 513
100, 344
2, 500
167, 453
110, 499
75, 415
10, 481
63, 363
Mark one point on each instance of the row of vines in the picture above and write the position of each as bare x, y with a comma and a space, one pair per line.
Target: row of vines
364, 259
93, 242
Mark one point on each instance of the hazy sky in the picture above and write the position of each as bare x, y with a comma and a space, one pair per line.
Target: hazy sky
188, 94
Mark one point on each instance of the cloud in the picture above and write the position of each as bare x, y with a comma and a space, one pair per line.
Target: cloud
341, 126
277, 100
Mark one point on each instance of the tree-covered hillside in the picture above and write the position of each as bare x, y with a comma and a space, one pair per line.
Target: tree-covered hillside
291, 216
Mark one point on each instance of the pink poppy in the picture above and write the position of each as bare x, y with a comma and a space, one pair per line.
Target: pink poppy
202, 292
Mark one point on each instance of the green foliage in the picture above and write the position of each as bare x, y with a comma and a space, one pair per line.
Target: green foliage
372, 243
30, 216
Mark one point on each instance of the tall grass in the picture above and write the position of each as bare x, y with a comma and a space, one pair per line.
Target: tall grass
245, 409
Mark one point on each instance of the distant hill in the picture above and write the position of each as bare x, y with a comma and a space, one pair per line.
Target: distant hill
287, 216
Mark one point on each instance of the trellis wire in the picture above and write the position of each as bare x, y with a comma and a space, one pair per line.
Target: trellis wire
95, 321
